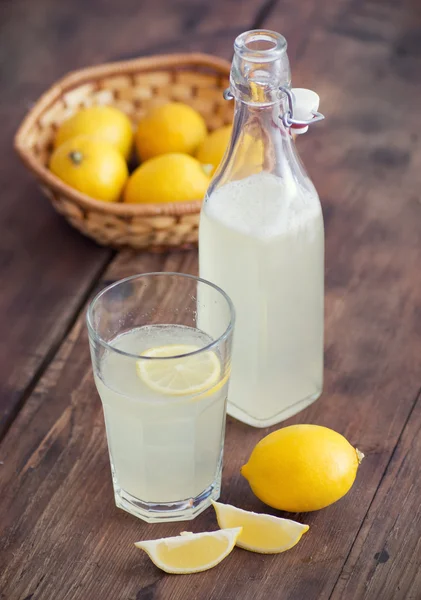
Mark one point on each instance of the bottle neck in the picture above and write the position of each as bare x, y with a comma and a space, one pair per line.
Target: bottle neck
260, 141
259, 137
260, 67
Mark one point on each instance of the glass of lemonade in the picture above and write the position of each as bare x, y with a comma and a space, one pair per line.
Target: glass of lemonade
161, 354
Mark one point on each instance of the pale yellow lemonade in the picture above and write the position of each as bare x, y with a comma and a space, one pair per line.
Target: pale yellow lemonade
262, 240
163, 448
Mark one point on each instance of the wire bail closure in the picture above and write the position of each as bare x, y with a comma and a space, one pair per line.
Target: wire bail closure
288, 118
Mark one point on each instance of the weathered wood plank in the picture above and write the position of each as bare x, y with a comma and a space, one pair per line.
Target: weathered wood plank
63, 469
32, 478
385, 559
47, 268
366, 168
63, 537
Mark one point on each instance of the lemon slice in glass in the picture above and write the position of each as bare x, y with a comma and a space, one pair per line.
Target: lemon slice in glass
182, 375
190, 552
261, 533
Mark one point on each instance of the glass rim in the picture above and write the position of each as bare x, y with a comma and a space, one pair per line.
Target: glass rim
95, 335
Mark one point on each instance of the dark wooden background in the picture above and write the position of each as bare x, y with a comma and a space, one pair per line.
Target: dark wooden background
61, 536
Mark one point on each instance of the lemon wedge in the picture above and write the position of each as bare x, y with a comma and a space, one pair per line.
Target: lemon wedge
184, 374
260, 533
190, 552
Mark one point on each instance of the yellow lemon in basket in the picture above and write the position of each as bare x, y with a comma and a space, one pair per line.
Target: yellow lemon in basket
302, 468
172, 127
106, 122
92, 166
212, 150
249, 155
168, 178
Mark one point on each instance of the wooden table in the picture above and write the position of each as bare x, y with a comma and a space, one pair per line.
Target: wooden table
61, 536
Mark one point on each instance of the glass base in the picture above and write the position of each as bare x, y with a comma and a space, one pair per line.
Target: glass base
161, 512
286, 413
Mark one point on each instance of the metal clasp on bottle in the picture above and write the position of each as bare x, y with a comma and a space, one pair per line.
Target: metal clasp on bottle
288, 118
227, 94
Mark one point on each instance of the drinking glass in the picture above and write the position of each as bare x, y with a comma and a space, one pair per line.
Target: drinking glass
161, 354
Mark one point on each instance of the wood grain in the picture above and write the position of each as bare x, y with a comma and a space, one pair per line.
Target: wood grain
62, 537
366, 168
47, 269
384, 561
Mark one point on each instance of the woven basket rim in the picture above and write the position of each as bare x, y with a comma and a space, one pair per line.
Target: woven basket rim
86, 75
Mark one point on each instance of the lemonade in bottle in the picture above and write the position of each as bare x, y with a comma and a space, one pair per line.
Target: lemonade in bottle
262, 240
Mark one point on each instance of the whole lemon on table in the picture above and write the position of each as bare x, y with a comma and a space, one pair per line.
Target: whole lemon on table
302, 468
212, 149
92, 166
167, 178
172, 127
106, 122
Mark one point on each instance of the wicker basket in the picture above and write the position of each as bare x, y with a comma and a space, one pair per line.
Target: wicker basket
134, 87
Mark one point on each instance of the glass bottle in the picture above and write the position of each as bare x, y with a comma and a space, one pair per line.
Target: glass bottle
261, 239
